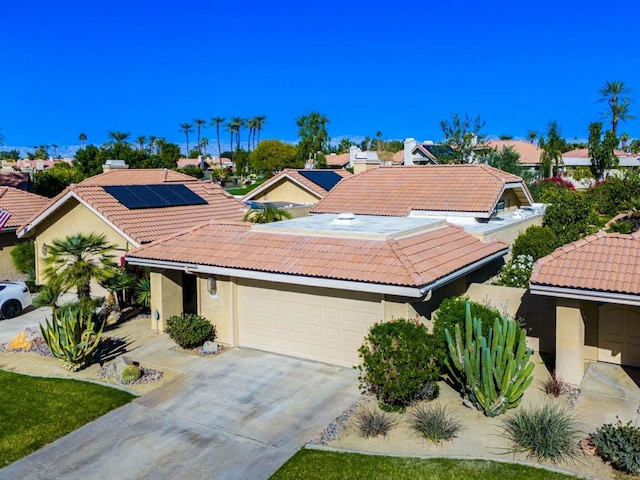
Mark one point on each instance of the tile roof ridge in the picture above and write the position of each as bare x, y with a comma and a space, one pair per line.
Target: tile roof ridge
404, 261
4, 189
499, 174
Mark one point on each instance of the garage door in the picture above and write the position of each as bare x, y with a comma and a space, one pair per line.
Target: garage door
619, 335
328, 326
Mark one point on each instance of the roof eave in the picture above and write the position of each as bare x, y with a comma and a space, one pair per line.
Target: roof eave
583, 294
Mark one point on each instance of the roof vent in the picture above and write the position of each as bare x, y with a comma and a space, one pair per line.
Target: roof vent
346, 218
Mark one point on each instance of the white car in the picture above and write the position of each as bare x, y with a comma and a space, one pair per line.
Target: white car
14, 298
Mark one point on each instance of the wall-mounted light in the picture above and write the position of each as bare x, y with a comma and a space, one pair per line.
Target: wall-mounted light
212, 287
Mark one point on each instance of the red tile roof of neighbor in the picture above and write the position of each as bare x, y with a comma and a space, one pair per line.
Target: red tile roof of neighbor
148, 224
584, 153
396, 191
14, 179
335, 160
606, 262
20, 204
415, 260
295, 175
529, 152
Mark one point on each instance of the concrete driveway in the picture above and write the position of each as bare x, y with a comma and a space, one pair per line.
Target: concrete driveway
30, 317
238, 416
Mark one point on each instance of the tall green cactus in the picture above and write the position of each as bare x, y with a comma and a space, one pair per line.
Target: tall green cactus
70, 339
493, 372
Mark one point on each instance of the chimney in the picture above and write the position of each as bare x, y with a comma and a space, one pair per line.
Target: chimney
409, 145
110, 165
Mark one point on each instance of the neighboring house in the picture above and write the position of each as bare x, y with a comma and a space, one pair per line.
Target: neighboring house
313, 286
425, 153
529, 152
596, 284
487, 202
336, 161
193, 162
131, 208
299, 187
580, 158
22, 206
11, 178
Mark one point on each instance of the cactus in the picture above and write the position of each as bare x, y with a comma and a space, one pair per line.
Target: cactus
493, 372
70, 339
130, 374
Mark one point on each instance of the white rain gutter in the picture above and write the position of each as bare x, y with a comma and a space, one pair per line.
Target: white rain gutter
581, 294
412, 292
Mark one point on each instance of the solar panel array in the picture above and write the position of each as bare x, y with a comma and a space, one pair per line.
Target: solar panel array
154, 196
326, 179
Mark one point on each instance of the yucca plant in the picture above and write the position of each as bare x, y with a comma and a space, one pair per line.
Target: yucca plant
71, 337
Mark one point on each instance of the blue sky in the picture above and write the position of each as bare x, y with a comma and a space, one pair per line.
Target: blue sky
398, 67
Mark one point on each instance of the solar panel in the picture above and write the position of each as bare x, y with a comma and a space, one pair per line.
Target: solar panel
154, 196
326, 179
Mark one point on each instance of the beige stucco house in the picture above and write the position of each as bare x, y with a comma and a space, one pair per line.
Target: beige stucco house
22, 205
311, 287
486, 202
104, 204
596, 284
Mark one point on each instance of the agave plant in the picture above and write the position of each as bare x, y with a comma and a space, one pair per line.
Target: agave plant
71, 337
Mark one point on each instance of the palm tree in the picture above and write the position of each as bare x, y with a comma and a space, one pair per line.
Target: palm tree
261, 120
252, 123
153, 142
266, 215
76, 260
217, 121
613, 94
187, 128
231, 128
118, 138
82, 137
55, 150
624, 138
204, 142
532, 135
141, 141
199, 123
238, 123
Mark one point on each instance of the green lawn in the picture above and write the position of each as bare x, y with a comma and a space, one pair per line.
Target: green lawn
245, 190
35, 411
323, 465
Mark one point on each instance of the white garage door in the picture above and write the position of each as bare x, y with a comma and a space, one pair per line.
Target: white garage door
619, 335
328, 327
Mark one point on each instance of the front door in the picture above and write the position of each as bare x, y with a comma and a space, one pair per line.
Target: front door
189, 293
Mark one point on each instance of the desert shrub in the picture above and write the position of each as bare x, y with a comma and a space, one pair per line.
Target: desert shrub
371, 423
143, 291
621, 226
190, 330
619, 444
555, 385
610, 196
450, 313
571, 216
492, 371
535, 241
516, 272
130, 374
547, 432
433, 423
23, 256
397, 363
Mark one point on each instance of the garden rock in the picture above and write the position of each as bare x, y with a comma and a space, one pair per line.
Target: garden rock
210, 347
20, 342
114, 369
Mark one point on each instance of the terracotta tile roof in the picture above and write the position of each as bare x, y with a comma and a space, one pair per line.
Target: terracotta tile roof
299, 178
184, 162
529, 152
413, 261
335, 161
142, 176
20, 204
14, 179
396, 191
607, 262
584, 153
149, 224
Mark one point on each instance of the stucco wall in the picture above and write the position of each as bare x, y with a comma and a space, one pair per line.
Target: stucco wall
285, 191
7, 242
166, 296
218, 308
509, 232
71, 218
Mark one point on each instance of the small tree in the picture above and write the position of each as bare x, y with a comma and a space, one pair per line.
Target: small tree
601, 150
464, 135
552, 146
535, 241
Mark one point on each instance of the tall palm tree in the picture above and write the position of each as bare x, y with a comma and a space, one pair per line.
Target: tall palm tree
613, 93
204, 142
261, 120
532, 135
231, 128
624, 138
76, 260
252, 123
186, 128
199, 124
83, 138
55, 150
153, 142
141, 141
238, 123
217, 121
118, 138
